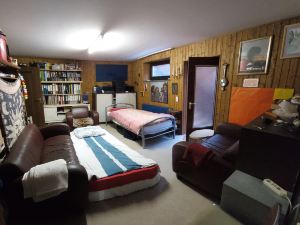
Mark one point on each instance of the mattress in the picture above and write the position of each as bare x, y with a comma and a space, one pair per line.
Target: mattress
123, 184
158, 127
112, 167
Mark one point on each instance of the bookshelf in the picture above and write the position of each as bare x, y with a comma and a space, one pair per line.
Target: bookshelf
61, 90
61, 87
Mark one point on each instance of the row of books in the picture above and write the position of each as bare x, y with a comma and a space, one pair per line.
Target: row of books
60, 76
49, 66
60, 89
61, 100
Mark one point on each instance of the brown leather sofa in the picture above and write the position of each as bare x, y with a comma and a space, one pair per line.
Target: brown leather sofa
36, 146
81, 116
210, 176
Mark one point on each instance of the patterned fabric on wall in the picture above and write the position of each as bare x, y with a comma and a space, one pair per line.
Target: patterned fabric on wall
12, 110
2, 147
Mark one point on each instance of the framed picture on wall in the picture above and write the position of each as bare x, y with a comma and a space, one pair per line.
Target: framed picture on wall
159, 91
174, 89
291, 41
254, 56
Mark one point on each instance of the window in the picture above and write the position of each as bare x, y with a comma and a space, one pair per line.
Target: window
160, 70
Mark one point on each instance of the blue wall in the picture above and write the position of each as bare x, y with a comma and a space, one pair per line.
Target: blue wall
108, 72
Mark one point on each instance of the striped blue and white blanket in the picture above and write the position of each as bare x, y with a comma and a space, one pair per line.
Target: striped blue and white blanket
105, 155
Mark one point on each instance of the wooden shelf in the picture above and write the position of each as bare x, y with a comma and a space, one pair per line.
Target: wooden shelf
61, 70
62, 82
8, 64
62, 112
59, 94
64, 105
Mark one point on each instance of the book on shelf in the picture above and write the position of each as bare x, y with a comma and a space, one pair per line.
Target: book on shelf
61, 99
50, 66
60, 89
60, 75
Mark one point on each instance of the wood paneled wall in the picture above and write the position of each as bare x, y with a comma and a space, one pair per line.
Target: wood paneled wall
88, 71
89, 75
284, 73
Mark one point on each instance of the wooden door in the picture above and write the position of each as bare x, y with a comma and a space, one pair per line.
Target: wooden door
34, 103
201, 92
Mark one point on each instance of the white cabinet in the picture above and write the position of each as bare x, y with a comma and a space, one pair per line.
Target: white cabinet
57, 113
100, 102
129, 98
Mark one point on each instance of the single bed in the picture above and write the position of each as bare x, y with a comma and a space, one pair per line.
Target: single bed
113, 168
142, 123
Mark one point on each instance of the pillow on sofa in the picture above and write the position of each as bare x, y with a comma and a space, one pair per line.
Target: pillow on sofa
82, 122
232, 152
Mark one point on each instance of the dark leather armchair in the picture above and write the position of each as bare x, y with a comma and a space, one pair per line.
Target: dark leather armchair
210, 176
81, 116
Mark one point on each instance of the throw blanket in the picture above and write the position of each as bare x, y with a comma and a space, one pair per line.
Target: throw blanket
46, 180
135, 119
197, 154
105, 155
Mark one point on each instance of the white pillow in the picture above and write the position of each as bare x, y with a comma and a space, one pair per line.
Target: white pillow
89, 131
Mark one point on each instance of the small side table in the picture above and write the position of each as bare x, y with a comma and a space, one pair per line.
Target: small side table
199, 135
178, 119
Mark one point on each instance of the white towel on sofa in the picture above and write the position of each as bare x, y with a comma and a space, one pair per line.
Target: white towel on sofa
46, 180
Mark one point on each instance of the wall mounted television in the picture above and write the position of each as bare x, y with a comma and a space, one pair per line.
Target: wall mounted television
111, 72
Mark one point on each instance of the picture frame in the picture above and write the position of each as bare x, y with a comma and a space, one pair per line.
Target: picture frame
174, 88
254, 56
159, 91
291, 41
251, 82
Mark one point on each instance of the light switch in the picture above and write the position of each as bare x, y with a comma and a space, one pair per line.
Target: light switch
176, 98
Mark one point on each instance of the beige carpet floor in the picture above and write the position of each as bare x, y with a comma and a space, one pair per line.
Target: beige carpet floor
171, 202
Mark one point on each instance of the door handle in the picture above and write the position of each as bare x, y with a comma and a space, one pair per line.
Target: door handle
190, 105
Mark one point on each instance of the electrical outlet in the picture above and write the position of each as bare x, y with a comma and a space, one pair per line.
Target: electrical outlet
275, 188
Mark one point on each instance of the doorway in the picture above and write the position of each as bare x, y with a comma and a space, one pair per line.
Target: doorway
200, 88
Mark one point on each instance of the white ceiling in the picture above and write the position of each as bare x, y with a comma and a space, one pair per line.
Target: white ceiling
42, 27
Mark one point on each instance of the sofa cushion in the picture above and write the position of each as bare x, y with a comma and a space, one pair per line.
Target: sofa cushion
83, 122
197, 154
232, 152
218, 143
59, 147
79, 112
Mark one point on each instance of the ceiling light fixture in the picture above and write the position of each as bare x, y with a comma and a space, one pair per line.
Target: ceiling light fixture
93, 40
159, 51
82, 39
105, 42
97, 44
